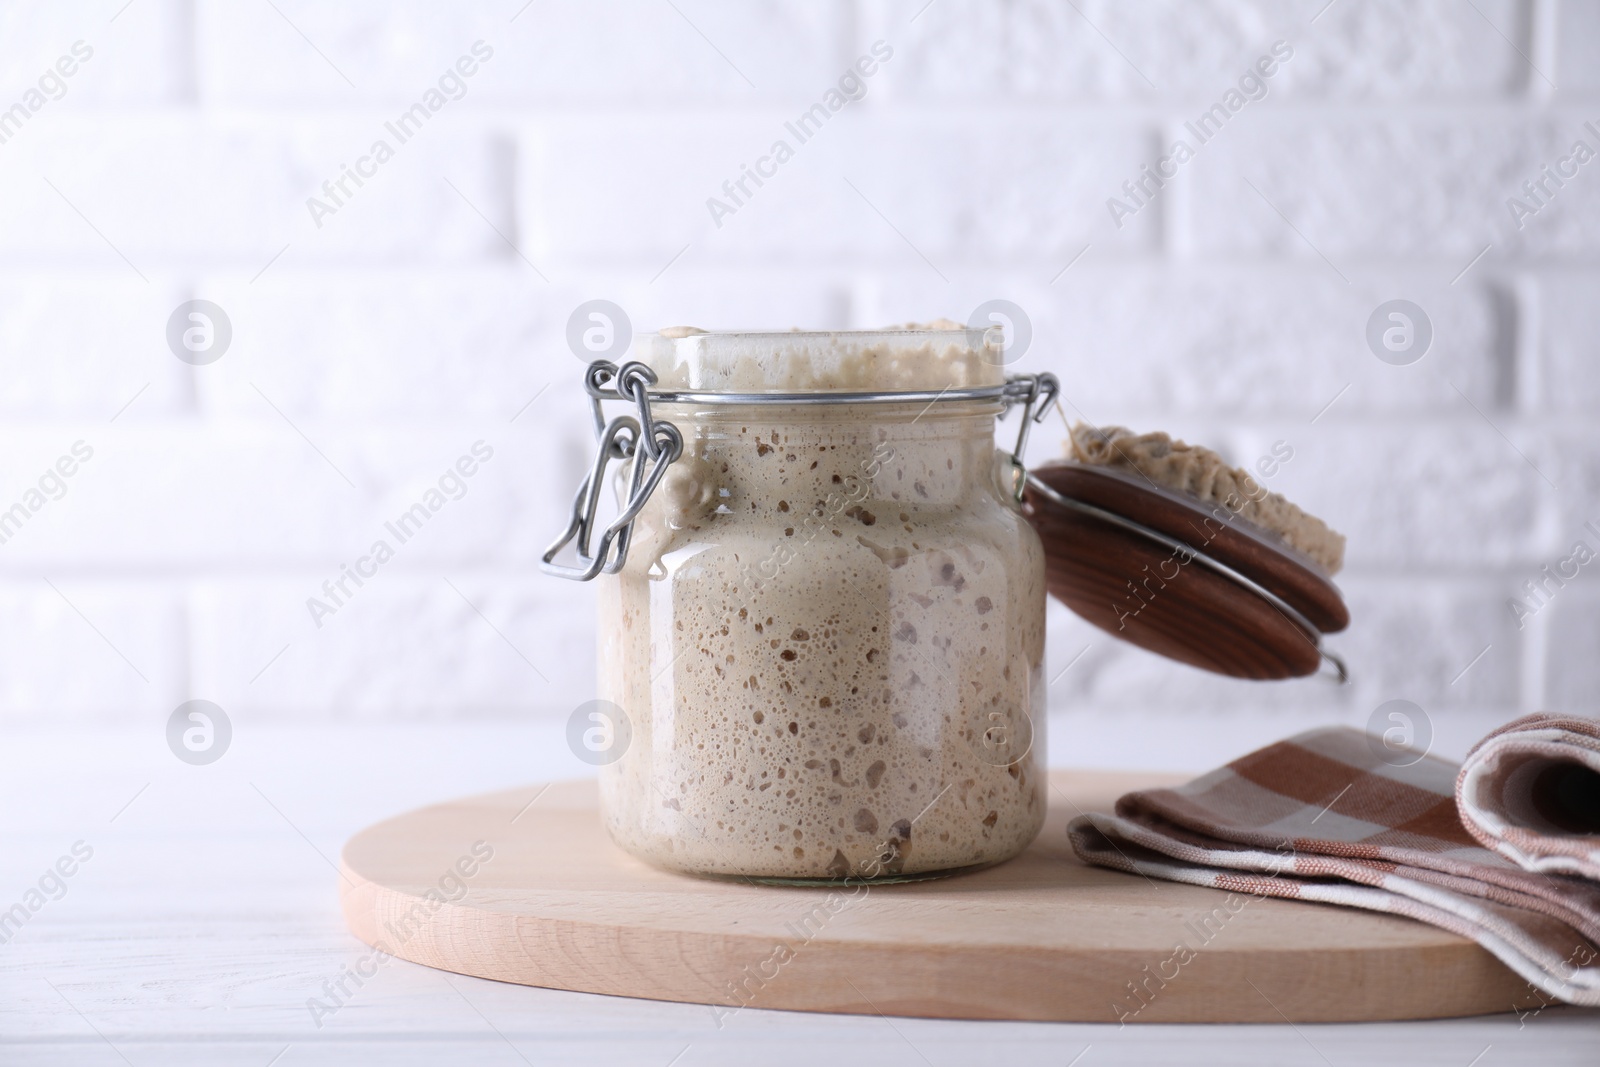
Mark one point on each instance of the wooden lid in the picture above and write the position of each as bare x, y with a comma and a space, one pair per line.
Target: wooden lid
1163, 570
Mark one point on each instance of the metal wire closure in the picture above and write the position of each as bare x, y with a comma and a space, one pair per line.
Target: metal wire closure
661, 442
1035, 392
624, 437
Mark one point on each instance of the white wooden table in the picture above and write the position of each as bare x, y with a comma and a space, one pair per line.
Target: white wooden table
207, 918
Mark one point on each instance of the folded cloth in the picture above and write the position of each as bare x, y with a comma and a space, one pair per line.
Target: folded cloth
1328, 816
1531, 792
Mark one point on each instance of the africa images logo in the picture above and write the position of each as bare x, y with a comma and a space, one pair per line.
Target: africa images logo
199, 732
199, 332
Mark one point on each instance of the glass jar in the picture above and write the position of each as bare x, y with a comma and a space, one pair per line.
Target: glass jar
827, 635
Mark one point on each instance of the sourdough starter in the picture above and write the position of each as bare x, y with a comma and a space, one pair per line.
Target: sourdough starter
829, 634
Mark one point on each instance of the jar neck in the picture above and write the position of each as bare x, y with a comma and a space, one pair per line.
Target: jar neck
919, 421
920, 455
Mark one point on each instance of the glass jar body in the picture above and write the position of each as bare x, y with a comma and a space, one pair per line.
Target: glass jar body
829, 643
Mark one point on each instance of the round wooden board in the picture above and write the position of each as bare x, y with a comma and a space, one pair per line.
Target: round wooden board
1042, 937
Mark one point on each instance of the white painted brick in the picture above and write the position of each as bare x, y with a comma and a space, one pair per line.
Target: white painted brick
1576, 472
636, 51
1554, 597
406, 328
764, 298
139, 58
477, 342
85, 344
635, 189
53, 471
1412, 50
1416, 639
1432, 494
254, 494
178, 189
58, 667
592, 195
1141, 342
403, 647
336, 344
1569, 317
1040, 50
1388, 187
1407, 639
959, 50
1572, 671
1577, 48
1431, 497
1040, 189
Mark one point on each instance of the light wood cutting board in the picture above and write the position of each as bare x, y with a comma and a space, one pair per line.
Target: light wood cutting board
1041, 937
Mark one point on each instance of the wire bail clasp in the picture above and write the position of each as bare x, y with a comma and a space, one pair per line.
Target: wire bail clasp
1035, 392
650, 443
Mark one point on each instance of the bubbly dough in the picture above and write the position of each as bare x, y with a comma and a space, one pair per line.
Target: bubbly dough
1202, 473
821, 625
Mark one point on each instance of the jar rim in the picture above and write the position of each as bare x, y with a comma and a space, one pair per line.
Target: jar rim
1007, 393
906, 359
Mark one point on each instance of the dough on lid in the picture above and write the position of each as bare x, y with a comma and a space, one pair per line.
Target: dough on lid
1202, 473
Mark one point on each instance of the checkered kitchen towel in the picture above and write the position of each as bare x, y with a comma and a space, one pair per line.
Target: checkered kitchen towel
1531, 791
1327, 816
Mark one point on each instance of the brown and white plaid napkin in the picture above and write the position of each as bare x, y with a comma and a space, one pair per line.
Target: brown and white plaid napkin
1327, 817
1531, 792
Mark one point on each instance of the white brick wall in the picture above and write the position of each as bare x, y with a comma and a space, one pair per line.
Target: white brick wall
406, 326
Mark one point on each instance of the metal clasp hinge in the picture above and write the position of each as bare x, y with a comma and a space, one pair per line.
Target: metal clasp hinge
1035, 392
624, 437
